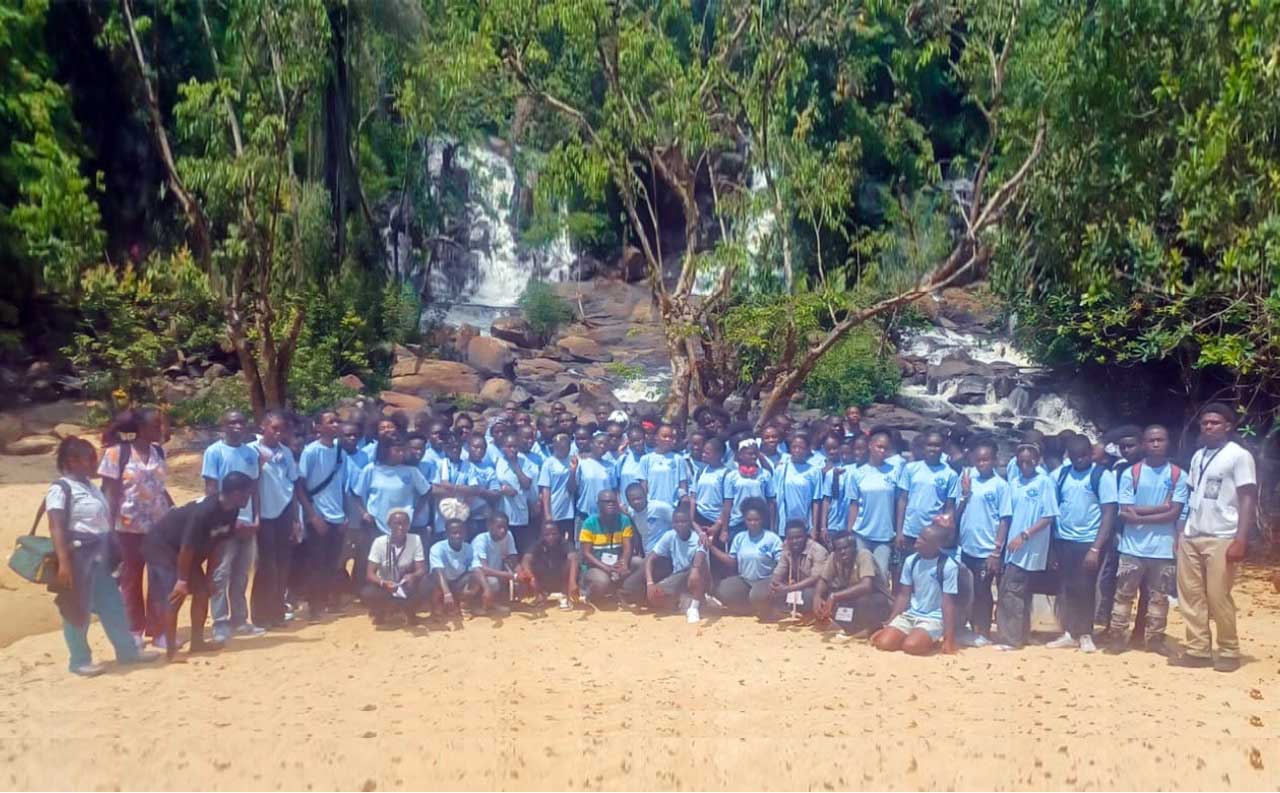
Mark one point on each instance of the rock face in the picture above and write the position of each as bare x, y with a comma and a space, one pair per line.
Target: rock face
970, 390
583, 349
352, 382
517, 331
32, 445
434, 378
10, 428
592, 394
496, 391
632, 265
491, 356
538, 368
406, 402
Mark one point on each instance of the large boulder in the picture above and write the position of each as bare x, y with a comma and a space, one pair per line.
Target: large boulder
632, 265
11, 428
496, 391
971, 390
70, 430
434, 377
954, 368
32, 445
491, 356
406, 402
583, 349
592, 393
351, 381
516, 330
538, 368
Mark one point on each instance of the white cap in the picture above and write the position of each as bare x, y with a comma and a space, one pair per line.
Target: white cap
620, 416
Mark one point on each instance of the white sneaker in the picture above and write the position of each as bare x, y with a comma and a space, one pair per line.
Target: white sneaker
565, 605
139, 640
692, 615
249, 629
981, 641
1062, 642
1087, 645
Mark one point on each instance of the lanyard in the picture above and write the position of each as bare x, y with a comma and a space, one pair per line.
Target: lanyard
1205, 461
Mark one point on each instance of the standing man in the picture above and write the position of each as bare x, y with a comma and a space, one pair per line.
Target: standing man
1223, 506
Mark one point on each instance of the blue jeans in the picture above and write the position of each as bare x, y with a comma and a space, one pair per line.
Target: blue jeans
230, 583
105, 601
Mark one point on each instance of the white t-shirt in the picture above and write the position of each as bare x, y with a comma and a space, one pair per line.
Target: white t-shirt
395, 563
1214, 476
90, 513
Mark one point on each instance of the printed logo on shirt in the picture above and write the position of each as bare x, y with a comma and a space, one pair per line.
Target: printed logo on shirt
1033, 492
990, 500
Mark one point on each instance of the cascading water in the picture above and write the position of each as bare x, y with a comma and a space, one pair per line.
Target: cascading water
759, 227
489, 272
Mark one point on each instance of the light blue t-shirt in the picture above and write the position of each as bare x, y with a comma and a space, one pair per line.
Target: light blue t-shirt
488, 552
1033, 499
1150, 540
454, 563
275, 483
221, 459
1079, 508
875, 488
926, 593
484, 475
356, 463
628, 471
680, 552
691, 466
430, 469
990, 499
709, 492
664, 474
516, 507
757, 556
834, 483
798, 485
315, 465
927, 488
387, 488
738, 488
653, 523
594, 477
554, 476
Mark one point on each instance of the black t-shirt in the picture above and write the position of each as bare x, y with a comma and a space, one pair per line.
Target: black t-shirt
199, 525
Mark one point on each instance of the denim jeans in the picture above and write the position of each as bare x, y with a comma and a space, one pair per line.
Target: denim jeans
105, 601
230, 583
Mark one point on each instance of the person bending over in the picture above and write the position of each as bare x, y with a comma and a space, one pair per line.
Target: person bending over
396, 573
925, 611
852, 590
675, 566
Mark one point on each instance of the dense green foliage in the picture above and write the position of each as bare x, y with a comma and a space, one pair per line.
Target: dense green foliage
859, 370
543, 309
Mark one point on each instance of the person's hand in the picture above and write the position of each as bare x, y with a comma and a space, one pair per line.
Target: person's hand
64, 580
366, 520
390, 586
244, 530
965, 484
1092, 559
993, 565
1017, 542
179, 593
775, 587
900, 542
295, 534
575, 593
573, 463
707, 541
448, 600
317, 522
621, 567
821, 607
949, 647
653, 593
1235, 551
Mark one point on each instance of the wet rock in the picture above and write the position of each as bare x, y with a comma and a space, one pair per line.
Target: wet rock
407, 402
435, 377
352, 382
496, 391
214, 372
32, 445
491, 356
583, 349
538, 369
954, 368
517, 331
971, 390
11, 428
632, 265
591, 394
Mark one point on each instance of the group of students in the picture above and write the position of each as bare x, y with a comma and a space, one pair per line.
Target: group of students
915, 545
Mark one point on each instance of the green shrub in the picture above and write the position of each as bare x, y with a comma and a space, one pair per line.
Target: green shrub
204, 410
544, 310
857, 371
625, 371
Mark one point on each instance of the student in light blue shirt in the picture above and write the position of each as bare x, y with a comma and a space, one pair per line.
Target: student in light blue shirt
593, 476
458, 478
926, 488
984, 511
651, 519
872, 495
661, 471
484, 475
324, 469
835, 481
772, 447
277, 489
229, 581
749, 562
1035, 506
1152, 495
231, 454
416, 455
628, 465
676, 565
1087, 509
1037, 439
691, 458
493, 564
798, 484
554, 482
709, 488
389, 484
926, 609
450, 579
517, 477
747, 480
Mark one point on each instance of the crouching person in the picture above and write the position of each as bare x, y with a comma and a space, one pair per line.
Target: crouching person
852, 590
675, 566
550, 567
396, 573
794, 582
449, 577
493, 564
926, 609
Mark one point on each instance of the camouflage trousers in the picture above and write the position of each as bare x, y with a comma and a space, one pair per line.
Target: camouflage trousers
1132, 574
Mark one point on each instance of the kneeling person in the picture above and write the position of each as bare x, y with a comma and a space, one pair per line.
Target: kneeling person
675, 566
395, 573
551, 566
494, 563
795, 579
925, 612
852, 591
606, 548
449, 577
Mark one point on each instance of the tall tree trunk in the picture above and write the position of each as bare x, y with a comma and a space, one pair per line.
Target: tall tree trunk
337, 129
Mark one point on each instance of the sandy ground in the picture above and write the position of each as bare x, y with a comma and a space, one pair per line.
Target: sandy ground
621, 701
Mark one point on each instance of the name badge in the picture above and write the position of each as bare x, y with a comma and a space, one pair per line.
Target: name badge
609, 558
795, 598
844, 614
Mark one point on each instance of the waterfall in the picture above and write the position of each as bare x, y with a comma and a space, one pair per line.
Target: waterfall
489, 268
759, 227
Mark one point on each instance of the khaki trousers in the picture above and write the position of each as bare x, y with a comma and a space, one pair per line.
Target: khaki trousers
1205, 578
